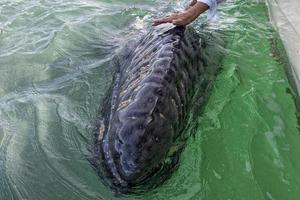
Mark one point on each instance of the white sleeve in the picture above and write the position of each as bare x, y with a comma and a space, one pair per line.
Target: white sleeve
213, 5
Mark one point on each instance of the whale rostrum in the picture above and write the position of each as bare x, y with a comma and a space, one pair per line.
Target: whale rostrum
139, 132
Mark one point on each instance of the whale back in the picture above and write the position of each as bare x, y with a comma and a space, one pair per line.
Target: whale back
143, 119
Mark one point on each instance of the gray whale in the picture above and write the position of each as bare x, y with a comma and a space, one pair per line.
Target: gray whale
139, 132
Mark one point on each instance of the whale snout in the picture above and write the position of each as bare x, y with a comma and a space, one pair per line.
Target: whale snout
138, 145
142, 131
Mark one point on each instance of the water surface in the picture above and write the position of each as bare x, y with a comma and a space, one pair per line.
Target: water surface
54, 71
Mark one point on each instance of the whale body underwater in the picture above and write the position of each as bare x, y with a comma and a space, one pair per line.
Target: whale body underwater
139, 132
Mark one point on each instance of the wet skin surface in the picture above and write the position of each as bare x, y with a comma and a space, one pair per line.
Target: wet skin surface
141, 122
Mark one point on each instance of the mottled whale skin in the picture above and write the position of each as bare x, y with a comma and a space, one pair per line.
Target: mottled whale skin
139, 130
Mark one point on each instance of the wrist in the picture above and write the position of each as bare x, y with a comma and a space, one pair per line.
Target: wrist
201, 7
197, 9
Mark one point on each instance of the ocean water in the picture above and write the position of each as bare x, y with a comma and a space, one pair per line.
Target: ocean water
55, 69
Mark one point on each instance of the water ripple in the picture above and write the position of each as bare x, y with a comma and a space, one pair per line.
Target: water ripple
55, 69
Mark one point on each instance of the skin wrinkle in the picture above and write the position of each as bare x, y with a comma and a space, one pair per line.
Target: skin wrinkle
148, 111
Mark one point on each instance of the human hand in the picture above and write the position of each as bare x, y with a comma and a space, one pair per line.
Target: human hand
183, 18
178, 19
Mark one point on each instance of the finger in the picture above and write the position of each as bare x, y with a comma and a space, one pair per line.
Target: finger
162, 20
176, 22
155, 23
179, 22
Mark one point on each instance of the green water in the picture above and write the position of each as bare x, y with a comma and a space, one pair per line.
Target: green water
54, 70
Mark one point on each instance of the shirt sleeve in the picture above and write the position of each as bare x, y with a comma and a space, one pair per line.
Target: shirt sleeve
213, 5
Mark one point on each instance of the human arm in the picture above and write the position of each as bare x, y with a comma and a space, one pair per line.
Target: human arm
195, 8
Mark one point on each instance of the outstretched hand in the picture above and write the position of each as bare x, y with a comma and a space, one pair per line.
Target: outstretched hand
178, 19
185, 17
